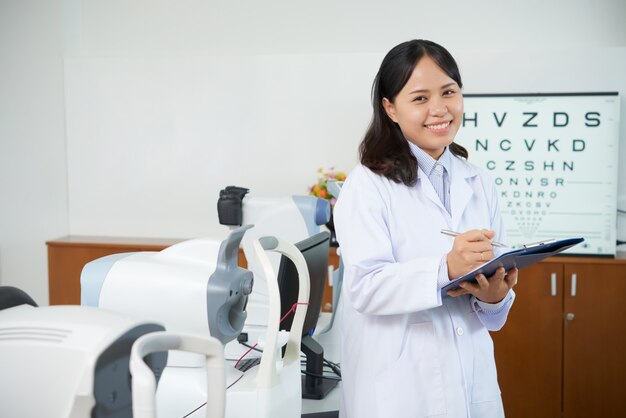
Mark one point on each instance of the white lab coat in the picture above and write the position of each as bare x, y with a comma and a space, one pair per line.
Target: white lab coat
409, 351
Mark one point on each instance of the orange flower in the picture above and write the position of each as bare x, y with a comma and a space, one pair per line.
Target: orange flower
320, 190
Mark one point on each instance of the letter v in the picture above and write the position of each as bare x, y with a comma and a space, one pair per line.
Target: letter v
501, 121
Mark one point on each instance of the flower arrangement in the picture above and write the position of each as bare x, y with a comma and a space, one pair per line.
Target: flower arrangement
320, 190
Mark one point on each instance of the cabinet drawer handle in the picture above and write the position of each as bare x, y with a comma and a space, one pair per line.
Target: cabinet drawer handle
573, 284
553, 284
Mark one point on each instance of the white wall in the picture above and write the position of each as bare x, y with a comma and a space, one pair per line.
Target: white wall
33, 180
168, 102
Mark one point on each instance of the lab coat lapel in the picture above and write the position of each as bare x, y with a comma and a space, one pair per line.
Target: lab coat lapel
429, 190
460, 190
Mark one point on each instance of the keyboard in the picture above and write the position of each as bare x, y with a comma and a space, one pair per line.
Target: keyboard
248, 363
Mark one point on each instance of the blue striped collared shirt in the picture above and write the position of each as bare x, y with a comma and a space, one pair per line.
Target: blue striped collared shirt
437, 171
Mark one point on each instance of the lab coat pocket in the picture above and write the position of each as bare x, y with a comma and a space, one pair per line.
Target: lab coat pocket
412, 386
485, 382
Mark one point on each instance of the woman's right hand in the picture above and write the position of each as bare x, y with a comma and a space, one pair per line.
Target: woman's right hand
469, 250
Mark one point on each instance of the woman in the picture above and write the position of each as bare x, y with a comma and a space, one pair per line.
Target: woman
408, 349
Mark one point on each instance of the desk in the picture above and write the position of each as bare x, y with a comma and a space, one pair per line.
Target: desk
329, 403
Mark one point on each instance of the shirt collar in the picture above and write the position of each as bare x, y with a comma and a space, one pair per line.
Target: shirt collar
427, 163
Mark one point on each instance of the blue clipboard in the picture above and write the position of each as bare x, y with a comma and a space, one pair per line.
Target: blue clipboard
519, 258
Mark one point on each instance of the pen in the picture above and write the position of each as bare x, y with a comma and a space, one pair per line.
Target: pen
535, 244
454, 234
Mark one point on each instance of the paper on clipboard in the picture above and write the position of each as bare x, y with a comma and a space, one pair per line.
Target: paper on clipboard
519, 258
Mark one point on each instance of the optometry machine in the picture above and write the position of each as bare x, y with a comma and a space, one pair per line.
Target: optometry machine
81, 362
295, 218
196, 288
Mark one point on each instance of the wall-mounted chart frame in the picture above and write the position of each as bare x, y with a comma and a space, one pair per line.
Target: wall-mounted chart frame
554, 159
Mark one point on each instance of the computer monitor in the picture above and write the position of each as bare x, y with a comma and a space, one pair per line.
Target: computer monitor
315, 252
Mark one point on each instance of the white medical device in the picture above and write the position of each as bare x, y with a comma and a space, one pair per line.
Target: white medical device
195, 287
76, 362
293, 218
273, 389
144, 383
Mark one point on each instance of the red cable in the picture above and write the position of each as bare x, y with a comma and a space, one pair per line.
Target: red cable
245, 354
293, 309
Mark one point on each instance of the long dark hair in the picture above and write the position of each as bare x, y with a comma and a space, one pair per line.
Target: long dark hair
384, 150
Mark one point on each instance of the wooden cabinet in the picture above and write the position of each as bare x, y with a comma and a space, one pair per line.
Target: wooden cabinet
333, 260
68, 255
594, 340
528, 349
562, 352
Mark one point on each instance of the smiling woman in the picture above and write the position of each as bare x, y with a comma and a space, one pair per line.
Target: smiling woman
428, 109
416, 97
411, 349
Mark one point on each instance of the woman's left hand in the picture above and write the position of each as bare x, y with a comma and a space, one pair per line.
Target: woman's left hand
489, 290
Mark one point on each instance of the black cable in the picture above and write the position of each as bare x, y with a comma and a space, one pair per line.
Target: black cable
185, 416
334, 367
621, 211
327, 363
229, 386
320, 376
332, 362
250, 346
